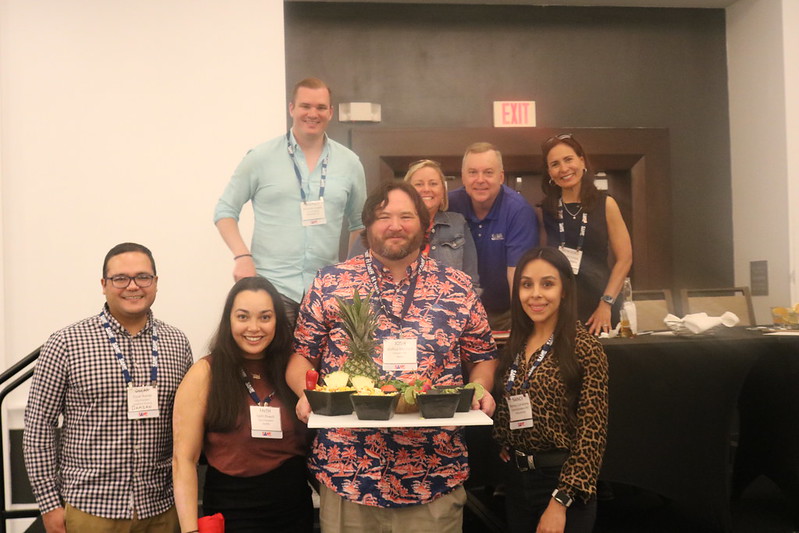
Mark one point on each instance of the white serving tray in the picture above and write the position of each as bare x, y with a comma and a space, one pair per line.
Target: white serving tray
474, 417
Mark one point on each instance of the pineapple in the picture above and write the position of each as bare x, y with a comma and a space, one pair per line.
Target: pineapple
359, 322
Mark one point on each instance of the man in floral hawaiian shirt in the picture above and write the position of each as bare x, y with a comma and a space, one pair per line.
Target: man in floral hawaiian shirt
395, 479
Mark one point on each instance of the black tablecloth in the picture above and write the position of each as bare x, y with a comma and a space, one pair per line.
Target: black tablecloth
672, 404
769, 421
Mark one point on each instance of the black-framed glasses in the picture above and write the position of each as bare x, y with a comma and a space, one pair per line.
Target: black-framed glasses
121, 281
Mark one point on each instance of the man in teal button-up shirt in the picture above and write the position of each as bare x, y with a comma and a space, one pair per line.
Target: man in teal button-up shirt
303, 186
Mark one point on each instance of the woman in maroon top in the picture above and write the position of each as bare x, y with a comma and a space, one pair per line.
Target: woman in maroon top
234, 406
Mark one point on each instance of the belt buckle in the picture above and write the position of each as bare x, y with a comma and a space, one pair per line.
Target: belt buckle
529, 463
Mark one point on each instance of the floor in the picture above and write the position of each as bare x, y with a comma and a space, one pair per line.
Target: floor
761, 509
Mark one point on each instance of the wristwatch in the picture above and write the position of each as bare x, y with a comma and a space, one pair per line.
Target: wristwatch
562, 498
608, 299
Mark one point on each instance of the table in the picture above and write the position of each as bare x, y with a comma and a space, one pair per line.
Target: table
769, 421
672, 405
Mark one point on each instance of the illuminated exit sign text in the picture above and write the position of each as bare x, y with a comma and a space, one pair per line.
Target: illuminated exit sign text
514, 114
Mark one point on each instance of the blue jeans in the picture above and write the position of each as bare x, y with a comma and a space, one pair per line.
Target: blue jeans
528, 495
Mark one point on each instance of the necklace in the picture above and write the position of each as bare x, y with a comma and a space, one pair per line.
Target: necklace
573, 215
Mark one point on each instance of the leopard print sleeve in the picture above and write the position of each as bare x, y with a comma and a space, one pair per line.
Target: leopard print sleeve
580, 471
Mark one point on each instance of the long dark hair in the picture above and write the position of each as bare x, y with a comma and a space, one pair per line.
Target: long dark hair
224, 396
589, 194
565, 330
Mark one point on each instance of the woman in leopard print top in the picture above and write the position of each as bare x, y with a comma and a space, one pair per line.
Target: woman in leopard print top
557, 375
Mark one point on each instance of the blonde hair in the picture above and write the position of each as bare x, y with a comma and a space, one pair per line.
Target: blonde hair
435, 165
482, 147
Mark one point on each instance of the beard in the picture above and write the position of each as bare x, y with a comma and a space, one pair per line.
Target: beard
400, 251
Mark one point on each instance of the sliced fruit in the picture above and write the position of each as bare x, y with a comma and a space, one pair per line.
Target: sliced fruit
479, 390
388, 388
362, 382
337, 379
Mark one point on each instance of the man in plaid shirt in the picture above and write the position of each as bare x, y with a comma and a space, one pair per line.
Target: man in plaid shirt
113, 378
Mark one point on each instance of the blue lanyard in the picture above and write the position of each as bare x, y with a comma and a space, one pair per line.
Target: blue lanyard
252, 392
323, 179
370, 269
515, 367
121, 358
562, 230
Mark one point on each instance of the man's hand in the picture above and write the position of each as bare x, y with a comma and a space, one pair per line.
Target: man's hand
487, 404
303, 409
54, 521
244, 267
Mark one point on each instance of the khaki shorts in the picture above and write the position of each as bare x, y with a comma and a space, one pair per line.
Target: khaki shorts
442, 515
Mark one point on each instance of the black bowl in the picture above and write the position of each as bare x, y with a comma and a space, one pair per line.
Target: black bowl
465, 403
438, 404
330, 403
370, 407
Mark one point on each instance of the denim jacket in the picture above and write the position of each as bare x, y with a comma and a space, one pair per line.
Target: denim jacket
451, 244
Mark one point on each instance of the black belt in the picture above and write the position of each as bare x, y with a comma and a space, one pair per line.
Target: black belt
531, 461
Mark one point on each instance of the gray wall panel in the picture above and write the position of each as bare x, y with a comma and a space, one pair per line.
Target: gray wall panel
443, 65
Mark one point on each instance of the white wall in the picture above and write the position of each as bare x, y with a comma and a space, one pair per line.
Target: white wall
763, 180
123, 121
790, 14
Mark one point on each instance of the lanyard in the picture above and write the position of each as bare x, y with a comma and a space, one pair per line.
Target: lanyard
251, 390
562, 230
322, 181
121, 358
515, 367
370, 269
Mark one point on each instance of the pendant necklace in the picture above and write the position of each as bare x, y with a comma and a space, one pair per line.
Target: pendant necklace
573, 215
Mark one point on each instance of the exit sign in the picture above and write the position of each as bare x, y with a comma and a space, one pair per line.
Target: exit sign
514, 114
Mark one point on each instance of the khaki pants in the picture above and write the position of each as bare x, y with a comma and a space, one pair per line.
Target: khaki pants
79, 522
442, 515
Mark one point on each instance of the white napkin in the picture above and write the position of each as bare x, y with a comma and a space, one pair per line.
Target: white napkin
698, 323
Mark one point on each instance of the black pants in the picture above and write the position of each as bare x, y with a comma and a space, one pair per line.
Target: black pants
528, 494
278, 501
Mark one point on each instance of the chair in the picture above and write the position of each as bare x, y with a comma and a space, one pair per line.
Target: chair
715, 302
651, 307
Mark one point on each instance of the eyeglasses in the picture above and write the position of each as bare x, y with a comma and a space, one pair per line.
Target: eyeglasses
121, 281
559, 137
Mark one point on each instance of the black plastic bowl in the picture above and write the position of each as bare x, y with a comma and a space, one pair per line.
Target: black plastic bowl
369, 407
330, 403
438, 404
465, 403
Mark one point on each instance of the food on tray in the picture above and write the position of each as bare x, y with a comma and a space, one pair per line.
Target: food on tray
359, 323
337, 380
311, 378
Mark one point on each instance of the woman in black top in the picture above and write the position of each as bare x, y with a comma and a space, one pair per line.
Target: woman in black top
572, 197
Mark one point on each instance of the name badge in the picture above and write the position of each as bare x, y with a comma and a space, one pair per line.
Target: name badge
143, 402
399, 354
521, 411
575, 257
265, 422
313, 213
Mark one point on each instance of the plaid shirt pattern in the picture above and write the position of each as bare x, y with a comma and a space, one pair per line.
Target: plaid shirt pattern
103, 463
395, 467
